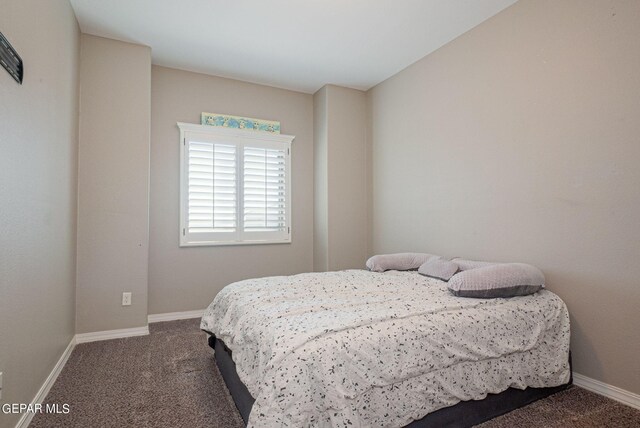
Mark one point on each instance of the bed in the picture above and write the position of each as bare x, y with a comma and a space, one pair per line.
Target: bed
394, 349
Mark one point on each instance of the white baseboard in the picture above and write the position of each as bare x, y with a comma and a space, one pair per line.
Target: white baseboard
172, 316
25, 420
111, 334
610, 391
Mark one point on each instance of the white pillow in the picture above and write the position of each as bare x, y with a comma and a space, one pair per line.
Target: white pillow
500, 280
398, 261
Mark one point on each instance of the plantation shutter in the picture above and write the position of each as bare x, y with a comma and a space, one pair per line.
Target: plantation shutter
235, 186
212, 211
264, 192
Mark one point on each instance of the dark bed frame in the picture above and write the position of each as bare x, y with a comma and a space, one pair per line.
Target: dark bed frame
463, 414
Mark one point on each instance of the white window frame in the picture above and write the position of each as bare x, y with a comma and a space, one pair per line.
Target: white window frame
239, 137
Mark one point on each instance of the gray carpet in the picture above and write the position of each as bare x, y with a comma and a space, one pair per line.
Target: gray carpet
170, 379
166, 379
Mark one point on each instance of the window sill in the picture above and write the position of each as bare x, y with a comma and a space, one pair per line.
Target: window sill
230, 243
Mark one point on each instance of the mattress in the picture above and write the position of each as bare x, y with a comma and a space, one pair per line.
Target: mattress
368, 349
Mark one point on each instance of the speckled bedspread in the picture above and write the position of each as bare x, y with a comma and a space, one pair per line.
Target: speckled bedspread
362, 349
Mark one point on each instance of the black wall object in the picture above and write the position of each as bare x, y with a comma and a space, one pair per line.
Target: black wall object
10, 59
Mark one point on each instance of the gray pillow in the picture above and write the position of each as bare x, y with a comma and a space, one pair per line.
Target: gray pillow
500, 280
398, 261
464, 264
439, 268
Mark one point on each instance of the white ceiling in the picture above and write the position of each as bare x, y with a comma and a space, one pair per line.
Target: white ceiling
293, 44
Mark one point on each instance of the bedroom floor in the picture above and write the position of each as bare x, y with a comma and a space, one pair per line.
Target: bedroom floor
170, 379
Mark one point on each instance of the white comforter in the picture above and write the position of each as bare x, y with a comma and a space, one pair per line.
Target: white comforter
357, 348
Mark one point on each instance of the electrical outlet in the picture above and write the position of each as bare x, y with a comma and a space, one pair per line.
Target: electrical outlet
0, 384
126, 299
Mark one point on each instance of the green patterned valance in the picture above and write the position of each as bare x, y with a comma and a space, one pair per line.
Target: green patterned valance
238, 122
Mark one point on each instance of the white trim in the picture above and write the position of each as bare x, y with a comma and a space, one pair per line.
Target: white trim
236, 132
610, 391
26, 418
172, 316
111, 334
238, 138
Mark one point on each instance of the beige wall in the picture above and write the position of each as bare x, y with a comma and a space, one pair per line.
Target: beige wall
113, 195
341, 167
520, 141
183, 279
38, 149
347, 179
321, 181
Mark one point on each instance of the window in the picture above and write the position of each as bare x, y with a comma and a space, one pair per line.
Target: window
235, 186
